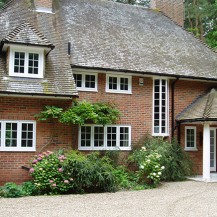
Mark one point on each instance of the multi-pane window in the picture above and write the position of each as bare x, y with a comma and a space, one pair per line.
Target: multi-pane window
118, 84
86, 81
17, 136
190, 138
160, 107
93, 137
26, 64
33, 63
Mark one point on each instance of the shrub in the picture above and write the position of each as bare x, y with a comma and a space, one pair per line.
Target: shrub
91, 173
149, 166
176, 162
10, 189
48, 174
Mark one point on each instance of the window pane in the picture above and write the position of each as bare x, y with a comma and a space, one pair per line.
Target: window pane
124, 136
33, 63
190, 138
27, 135
124, 83
90, 81
19, 62
85, 136
11, 135
98, 136
78, 80
113, 82
111, 136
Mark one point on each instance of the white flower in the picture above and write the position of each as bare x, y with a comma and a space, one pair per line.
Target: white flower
159, 173
163, 167
148, 161
156, 166
141, 167
154, 174
143, 148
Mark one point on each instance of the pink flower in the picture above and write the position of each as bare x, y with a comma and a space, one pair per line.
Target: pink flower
31, 170
39, 158
71, 179
61, 161
51, 181
60, 170
66, 181
54, 185
35, 161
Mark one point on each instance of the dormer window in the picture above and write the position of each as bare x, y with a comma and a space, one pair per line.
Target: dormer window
26, 62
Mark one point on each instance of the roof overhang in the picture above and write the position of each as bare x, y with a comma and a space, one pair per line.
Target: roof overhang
5, 44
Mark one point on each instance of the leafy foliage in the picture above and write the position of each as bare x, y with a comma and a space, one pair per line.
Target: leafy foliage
176, 162
12, 190
48, 174
82, 112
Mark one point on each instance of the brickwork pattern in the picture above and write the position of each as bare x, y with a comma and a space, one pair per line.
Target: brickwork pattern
26, 109
43, 3
172, 8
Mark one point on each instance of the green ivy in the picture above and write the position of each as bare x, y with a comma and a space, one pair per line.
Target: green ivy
81, 113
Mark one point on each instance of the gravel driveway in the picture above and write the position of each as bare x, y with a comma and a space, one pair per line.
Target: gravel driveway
170, 199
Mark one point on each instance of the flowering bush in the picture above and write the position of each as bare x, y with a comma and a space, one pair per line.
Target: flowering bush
150, 169
48, 174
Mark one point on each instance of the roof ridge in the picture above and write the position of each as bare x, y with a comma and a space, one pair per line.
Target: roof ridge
209, 103
22, 26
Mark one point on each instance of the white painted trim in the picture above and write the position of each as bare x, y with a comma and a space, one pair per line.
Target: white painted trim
160, 107
27, 50
129, 91
214, 168
83, 88
206, 152
19, 133
195, 138
104, 147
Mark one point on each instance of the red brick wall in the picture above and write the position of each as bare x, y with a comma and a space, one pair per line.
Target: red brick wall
43, 3
25, 109
185, 93
172, 8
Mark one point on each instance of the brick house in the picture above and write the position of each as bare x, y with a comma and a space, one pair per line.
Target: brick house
160, 76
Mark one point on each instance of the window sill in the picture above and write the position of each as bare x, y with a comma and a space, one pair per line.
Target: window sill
87, 90
120, 92
104, 149
160, 134
191, 149
17, 150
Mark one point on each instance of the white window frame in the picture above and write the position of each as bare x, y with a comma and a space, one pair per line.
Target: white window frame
129, 91
26, 50
195, 138
19, 136
83, 88
105, 147
166, 133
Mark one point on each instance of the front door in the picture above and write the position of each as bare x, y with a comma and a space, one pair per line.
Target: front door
213, 149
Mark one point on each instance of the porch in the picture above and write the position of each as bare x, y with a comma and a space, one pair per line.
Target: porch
202, 112
199, 178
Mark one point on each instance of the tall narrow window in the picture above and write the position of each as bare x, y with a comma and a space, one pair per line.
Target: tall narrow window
190, 138
160, 107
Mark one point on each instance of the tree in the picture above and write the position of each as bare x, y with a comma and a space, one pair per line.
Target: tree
201, 20
2, 2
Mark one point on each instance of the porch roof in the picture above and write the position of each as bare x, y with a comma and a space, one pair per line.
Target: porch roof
203, 108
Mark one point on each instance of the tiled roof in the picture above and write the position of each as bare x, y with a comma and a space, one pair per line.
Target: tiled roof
25, 33
111, 35
105, 35
21, 23
204, 108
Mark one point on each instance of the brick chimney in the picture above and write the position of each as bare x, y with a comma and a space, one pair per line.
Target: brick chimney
45, 6
172, 8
